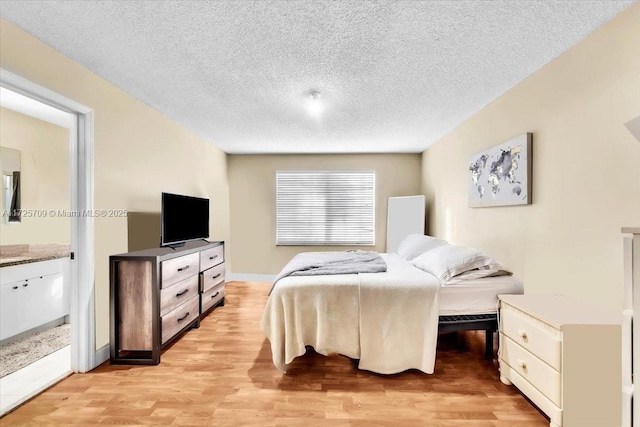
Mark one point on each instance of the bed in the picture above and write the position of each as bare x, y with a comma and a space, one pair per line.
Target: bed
387, 321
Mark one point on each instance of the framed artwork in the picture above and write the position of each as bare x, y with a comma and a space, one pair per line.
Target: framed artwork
501, 175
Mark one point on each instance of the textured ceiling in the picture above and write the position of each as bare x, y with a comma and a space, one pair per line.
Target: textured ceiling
393, 76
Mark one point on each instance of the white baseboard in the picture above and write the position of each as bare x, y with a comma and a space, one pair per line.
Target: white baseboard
246, 277
102, 355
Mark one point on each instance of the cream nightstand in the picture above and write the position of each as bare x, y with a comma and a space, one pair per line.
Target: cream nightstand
564, 355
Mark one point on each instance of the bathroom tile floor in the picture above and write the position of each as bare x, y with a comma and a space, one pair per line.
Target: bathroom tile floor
22, 385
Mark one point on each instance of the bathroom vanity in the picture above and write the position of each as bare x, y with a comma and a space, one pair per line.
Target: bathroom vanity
34, 288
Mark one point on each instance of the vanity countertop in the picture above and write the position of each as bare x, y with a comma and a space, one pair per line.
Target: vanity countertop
23, 254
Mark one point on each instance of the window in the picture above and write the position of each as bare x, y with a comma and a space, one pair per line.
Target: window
325, 208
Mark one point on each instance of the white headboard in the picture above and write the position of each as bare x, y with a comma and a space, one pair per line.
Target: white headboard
405, 215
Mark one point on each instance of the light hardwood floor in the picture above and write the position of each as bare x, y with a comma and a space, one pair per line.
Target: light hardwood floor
222, 375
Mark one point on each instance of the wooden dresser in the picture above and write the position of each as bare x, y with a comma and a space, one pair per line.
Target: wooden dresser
157, 294
564, 355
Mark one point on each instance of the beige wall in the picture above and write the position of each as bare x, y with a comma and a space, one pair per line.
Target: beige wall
586, 169
44, 179
252, 188
138, 153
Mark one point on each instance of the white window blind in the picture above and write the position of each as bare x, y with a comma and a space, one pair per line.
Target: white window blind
325, 207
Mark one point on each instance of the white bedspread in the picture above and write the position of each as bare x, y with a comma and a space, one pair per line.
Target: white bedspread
388, 320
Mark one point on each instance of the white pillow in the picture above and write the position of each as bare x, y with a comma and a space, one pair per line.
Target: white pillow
417, 244
492, 270
449, 261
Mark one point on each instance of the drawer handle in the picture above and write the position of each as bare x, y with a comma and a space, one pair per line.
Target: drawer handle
179, 294
522, 364
216, 276
183, 268
25, 285
215, 295
15, 287
522, 333
213, 257
183, 317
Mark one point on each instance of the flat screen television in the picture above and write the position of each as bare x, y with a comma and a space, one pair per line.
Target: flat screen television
183, 218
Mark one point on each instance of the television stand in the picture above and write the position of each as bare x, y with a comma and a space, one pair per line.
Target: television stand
159, 294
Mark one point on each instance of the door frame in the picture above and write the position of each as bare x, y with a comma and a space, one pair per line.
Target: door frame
82, 307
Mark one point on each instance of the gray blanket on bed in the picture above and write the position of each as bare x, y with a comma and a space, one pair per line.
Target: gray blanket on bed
322, 263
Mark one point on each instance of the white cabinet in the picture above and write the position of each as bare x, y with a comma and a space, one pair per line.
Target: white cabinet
11, 297
630, 329
31, 295
564, 355
48, 297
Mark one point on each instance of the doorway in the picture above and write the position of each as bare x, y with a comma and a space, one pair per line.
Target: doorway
79, 122
35, 237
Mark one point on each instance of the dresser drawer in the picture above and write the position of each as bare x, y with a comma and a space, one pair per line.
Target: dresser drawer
212, 277
211, 257
542, 376
537, 337
212, 297
180, 317
177, 269
177, 294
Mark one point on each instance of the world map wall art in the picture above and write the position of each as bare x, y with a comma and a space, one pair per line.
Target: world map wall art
501, 175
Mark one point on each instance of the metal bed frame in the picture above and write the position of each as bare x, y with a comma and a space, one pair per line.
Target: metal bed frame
472, 322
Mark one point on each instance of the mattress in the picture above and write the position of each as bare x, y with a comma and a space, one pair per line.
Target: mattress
477, 296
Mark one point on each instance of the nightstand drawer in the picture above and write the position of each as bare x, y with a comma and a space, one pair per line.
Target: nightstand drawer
177, 294
177, 269
212, 297
211, 257
542, 376
537, 337
177, 319
540, 400
212, 276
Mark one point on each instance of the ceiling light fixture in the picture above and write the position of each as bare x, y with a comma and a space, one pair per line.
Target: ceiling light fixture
314, 104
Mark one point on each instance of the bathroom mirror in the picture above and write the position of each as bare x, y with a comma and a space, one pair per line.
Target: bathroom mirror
10, 165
